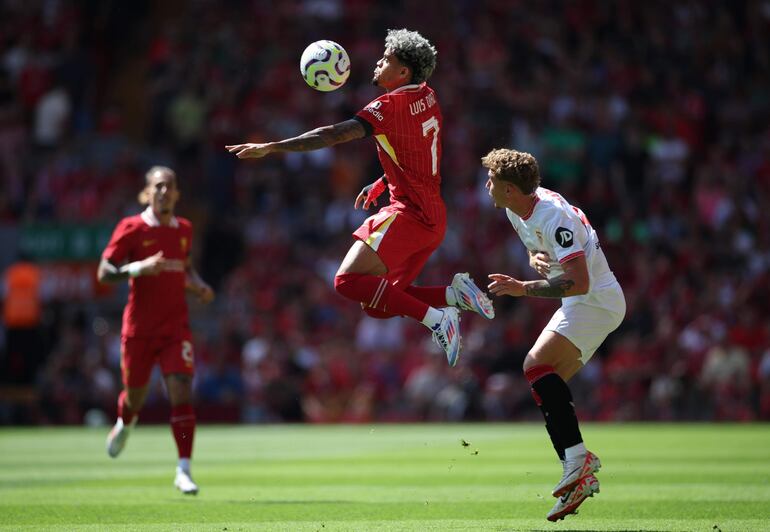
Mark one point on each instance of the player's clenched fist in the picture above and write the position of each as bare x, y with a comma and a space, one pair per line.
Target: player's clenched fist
369, 194
152, 265
538, 261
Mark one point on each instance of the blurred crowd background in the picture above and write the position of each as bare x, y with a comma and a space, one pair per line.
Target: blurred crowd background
653, 117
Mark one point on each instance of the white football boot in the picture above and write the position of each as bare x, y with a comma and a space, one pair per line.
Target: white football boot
184, 482
118, 436
470, 297
446, 333
574, 470
568, 503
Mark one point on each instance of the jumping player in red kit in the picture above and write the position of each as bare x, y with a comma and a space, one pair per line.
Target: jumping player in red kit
152, 250
393, 245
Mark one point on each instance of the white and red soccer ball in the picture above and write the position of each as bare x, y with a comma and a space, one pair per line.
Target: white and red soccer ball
325, 65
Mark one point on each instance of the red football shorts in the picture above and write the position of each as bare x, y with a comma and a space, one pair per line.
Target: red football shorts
402, 243
139, 355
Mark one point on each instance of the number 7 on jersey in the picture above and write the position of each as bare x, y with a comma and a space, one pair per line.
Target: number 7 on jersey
431, 124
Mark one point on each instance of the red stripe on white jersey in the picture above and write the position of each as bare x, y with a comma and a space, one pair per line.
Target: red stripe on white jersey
572, 256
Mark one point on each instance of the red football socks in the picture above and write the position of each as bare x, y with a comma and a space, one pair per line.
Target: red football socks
557, 406
377, 292
435, 296
183, 427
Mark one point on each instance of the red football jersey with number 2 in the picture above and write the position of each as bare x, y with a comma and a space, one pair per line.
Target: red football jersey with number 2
156, 303
407, 126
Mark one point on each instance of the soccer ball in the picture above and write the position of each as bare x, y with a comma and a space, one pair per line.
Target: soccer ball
325, 65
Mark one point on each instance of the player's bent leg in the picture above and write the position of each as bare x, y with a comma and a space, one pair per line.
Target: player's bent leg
118, 436
360, 258
379, 294
379, 297
135, 397
360, 278
552, 351
130, 402
136, 367
569, 502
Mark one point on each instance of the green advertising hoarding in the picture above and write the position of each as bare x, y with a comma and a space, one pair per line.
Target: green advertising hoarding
64, 242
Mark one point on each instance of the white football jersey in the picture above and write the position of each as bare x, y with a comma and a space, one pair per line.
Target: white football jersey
563, 231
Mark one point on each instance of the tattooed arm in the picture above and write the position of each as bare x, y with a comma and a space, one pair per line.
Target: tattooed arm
315, 139
573, 282
556, 287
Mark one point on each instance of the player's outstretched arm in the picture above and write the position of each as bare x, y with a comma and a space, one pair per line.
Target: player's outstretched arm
573, 282
109, 273
321, 137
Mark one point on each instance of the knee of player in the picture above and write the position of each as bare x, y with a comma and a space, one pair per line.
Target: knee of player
339, 281
344, 281
530, 361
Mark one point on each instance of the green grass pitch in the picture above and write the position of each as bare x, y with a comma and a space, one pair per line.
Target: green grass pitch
385, 477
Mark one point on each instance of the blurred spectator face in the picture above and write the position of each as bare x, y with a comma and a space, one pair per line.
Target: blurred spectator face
161, 192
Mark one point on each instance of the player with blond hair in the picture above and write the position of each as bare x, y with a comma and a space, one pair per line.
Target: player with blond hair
565, 250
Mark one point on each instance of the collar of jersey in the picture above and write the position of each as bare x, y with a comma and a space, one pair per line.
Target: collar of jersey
406, 88
150, 219
532, 208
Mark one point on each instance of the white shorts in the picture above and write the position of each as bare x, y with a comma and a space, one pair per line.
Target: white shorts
587, 326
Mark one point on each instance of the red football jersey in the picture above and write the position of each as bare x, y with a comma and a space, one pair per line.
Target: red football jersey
156, 303
406, 124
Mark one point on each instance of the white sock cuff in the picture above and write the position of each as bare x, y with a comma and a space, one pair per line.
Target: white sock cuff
451, 298
432, 317
575, 451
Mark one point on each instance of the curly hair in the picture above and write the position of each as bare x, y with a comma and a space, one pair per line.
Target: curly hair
414, 51
517, 167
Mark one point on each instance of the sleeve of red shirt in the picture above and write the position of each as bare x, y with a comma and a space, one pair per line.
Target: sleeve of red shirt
378, 113
119, 247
